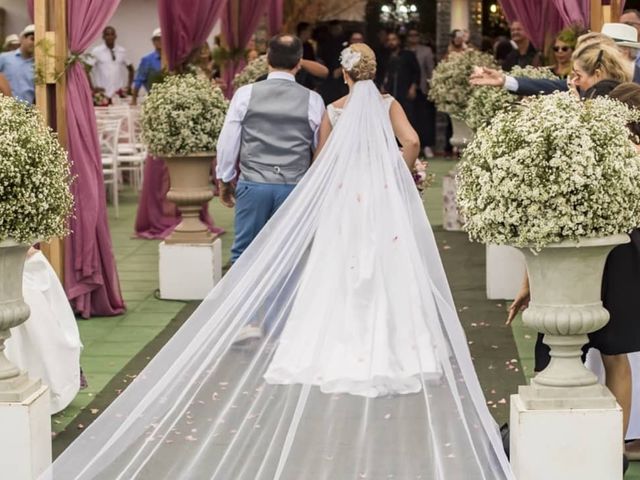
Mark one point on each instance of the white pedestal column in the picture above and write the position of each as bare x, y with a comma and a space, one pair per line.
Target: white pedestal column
452, 221
25, 443
562, 444
505, 271
189, 271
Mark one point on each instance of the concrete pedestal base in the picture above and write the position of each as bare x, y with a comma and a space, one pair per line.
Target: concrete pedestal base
25, 443
452, 221
505, 271
565, 444
189, 271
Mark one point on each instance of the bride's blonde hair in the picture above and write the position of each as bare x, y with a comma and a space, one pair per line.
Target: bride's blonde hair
365, 67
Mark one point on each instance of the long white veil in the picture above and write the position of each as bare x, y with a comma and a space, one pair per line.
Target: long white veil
202, 408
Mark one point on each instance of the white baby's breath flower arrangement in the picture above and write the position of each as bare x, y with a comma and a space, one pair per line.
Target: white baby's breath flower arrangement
35, 200
554, 169
450, 89
183, 115
252, 72
486, 102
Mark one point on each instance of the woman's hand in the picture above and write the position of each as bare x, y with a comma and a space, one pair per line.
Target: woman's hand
521, 302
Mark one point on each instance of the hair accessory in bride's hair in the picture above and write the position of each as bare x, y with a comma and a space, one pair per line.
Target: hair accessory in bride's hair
349, 58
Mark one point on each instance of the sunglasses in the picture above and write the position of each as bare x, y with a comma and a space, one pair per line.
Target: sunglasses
561, 49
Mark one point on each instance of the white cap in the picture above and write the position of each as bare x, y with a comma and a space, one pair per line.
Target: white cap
28, 30
157, 33
13, 38
624, 35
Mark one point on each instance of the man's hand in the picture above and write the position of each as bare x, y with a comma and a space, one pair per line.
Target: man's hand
227, 194
487, 77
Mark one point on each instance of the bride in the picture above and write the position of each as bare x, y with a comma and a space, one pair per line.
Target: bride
361, 370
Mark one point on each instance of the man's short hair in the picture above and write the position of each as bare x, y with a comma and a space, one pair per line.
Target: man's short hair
285, 52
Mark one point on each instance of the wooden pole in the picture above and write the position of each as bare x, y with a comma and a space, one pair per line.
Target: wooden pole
50, 17
597, 18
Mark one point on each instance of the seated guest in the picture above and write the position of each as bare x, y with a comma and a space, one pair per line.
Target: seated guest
48, 344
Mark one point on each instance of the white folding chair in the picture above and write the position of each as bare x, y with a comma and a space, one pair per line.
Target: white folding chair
131, 152
108, 134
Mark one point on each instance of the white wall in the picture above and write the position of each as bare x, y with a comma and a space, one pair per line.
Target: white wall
17, 16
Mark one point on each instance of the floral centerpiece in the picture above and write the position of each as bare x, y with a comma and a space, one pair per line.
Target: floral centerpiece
35, 200
182, 115
181, 121
556, 168
450, 89
35, 203
559, 178
485, 103
252, 72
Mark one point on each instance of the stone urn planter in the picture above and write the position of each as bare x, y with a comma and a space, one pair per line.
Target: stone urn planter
15, 385
462, 133
566, 280
190, 190
452, 220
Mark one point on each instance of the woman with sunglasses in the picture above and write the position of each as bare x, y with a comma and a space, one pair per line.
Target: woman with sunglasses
563, 48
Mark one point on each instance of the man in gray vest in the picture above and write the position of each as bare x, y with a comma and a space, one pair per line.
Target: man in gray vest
272, 128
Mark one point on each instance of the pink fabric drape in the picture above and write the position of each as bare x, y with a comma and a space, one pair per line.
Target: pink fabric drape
539, 18
573, 11
276, 16
91, 279
157, 217
30, 9
185, 25
240, 20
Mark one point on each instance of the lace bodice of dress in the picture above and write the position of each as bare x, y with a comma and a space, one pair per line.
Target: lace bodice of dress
335, 112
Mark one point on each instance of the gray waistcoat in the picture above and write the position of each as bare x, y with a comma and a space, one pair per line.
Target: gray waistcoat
276, 135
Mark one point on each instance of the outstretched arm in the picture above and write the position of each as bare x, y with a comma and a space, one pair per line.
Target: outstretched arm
405, 134
315, 68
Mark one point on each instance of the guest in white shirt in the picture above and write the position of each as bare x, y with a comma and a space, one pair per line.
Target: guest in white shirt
111, 69
272, 128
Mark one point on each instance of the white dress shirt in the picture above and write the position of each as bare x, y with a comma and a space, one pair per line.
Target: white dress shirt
109, 68
230, 138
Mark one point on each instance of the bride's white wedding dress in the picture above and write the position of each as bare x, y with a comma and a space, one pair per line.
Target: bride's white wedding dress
357, 322
363, 371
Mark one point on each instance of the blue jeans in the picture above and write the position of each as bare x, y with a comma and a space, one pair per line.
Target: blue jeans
255, 205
